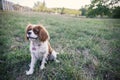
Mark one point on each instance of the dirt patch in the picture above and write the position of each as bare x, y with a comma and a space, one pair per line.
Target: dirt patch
91, 63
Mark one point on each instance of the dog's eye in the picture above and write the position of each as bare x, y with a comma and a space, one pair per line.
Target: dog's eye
35, 31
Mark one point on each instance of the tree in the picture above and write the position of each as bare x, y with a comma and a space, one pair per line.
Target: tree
116, 12
62, 10
39, 6
103, 8
98, 7
83, 10
112, 3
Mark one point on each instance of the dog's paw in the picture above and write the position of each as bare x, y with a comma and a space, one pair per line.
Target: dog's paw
42, 67
29, 72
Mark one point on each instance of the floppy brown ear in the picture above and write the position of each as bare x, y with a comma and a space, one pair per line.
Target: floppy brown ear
43, 34
26, 30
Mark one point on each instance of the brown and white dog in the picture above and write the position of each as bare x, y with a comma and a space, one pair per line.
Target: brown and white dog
39, 46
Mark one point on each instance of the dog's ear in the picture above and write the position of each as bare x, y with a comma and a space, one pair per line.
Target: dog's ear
29, 26
43, 34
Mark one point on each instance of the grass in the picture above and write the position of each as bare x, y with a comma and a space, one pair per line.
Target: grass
89, 48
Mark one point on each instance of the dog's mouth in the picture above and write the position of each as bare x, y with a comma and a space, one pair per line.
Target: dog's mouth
32, 37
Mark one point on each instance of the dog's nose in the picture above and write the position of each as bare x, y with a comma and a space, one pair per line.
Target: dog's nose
29, 33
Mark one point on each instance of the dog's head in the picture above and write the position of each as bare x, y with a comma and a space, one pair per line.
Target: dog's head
34, 32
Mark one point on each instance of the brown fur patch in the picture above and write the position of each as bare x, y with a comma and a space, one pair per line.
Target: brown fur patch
50, 48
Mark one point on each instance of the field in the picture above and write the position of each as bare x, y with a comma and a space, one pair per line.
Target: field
89, 48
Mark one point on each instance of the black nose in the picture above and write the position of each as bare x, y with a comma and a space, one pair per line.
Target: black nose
29, 33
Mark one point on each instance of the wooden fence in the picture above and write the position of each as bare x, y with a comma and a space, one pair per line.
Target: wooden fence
9, 6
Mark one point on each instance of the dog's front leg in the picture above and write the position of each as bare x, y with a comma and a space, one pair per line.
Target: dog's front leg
43, 61
32, 65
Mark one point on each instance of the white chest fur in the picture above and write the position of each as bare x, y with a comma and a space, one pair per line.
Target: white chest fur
38, 49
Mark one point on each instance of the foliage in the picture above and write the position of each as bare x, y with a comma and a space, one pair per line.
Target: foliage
42, 8
116, 12
62, 10
112, 3
98, 8
91, 13
39, 6
102, 8
83, 11
71, 11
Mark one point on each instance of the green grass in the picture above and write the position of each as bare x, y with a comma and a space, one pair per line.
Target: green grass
89, 48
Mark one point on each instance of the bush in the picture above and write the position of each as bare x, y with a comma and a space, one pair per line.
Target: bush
116, 12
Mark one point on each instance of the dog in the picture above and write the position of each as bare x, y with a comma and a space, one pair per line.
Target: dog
40, 47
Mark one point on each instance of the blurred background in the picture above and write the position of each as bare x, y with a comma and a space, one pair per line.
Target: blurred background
88, 8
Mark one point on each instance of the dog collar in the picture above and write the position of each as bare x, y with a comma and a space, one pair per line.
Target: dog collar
33, 48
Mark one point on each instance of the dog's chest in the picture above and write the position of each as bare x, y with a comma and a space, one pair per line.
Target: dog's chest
38, 49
